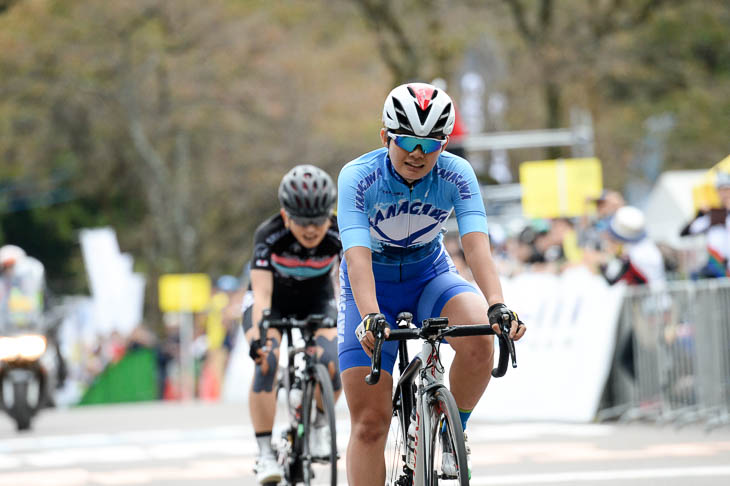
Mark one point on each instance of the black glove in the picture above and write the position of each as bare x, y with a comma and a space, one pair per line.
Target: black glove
254, 348
368, 323
501, 315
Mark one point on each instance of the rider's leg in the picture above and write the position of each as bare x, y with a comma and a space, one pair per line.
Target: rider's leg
327, 355
262, 399
370, 406
370, 414
451, 296
472, 365
262, 395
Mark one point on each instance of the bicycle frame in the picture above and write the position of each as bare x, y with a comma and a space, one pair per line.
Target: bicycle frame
306, 370
426, 373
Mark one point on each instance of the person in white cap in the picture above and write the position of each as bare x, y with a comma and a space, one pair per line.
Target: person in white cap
633, 257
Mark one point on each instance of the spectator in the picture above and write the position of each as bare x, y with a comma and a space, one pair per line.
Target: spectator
22, 289
606, 206
453, 248
631, 256
715, 223
531, 244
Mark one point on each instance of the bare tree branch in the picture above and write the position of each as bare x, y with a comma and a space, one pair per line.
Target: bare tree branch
380, 16
636, 16
6, 5
518, 15
546, 16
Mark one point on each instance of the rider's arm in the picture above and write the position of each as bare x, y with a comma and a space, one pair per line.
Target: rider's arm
262, 285
472, 220
362, 281
352, 220
479, 258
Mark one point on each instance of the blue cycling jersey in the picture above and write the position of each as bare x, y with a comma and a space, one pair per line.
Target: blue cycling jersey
400, 222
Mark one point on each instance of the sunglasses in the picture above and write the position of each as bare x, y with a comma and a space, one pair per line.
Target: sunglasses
409, 143
302, 221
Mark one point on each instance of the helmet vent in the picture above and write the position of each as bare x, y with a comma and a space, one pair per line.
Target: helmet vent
403, 121
438, 128
423, 114
307, 191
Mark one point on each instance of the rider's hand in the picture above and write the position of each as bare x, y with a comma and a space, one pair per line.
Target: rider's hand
364, 331
256, 351
499, 313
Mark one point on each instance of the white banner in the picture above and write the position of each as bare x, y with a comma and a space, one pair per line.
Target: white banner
562, 362
564, 359
117, 291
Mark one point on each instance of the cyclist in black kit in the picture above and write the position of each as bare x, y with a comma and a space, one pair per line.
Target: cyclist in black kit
291, 274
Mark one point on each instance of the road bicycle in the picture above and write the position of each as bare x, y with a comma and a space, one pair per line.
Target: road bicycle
306, 384
425, 443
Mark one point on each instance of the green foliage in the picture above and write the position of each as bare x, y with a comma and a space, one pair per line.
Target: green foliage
173, 122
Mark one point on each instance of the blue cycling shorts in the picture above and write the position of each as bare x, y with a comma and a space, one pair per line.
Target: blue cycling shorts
421, 288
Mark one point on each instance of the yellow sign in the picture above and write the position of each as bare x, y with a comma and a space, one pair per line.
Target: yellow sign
184, 292
704, 195
559, 188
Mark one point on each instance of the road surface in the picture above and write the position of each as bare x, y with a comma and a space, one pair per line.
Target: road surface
185, 444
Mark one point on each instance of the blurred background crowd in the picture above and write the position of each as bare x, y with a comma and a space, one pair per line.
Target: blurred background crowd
167, 127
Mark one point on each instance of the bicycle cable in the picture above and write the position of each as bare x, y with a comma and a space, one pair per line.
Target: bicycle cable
437, 363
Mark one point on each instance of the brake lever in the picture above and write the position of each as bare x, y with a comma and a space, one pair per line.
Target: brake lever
505, 327
379, 333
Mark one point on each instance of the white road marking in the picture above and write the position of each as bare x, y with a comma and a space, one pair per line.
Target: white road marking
609, 475
195, 472
196, 455
231, 469
572, 452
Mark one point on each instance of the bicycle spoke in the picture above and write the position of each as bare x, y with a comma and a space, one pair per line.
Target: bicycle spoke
319, 445
395, 450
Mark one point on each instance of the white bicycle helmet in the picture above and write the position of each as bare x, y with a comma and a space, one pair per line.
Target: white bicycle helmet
419, 109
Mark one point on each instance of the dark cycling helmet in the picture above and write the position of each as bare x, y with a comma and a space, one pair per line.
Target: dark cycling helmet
307, 191
419, 109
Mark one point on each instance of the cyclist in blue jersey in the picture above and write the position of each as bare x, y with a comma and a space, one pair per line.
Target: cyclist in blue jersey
392, 204
295, 252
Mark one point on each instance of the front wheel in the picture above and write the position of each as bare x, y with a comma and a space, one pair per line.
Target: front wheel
447, 460
397, 471
21, 410
318, 436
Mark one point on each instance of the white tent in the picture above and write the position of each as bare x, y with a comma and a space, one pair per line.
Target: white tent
670, 207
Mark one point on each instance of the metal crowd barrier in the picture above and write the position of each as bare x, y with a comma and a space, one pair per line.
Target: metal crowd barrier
673, 355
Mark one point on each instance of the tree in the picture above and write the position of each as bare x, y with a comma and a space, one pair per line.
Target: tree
414, 38
176, 123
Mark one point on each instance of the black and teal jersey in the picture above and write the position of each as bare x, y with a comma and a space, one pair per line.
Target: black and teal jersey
298, 271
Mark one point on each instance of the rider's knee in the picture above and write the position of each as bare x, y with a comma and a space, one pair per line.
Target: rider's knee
329, 359
371, 426
478, 349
